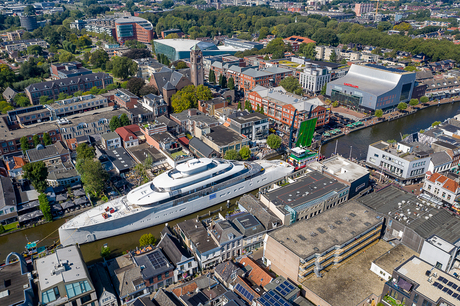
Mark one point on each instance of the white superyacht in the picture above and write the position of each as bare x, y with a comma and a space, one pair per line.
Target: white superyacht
190, 187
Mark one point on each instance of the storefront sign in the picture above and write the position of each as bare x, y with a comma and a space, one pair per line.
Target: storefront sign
351, 85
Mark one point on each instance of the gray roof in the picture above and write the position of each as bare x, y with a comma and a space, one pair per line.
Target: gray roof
255, 73
43, 153
165, 298
141, 152
227, 269
16, 281
222, 136
126, 161
223, 231
7, 194
440, 158
422, 75
277, 70
247, 224
251, 117
173, 249
199, 117
196, 299
169, 86
155, 263
68, 81
333, 227
256, 208
166, 121
449, 127
9, 93
101, 279
166, 75
198, 235
441, 222
109, 136
201, 147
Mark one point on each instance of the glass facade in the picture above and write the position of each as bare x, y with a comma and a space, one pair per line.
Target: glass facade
78, 288
405, 91
345, 98
125, 30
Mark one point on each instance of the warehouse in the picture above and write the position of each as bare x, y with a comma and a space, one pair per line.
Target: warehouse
372, 87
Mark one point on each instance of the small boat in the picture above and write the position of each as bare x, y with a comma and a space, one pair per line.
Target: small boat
33, 249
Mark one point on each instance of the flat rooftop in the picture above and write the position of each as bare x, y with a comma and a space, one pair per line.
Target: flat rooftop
340, 167
424, 219
332, 227
14, 281
394, 258
417, 153
415, 268
306, 189
353, 282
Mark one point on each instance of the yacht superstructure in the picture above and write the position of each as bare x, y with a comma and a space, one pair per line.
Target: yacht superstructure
192, 186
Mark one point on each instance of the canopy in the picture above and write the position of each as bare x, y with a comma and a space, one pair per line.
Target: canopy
68, 204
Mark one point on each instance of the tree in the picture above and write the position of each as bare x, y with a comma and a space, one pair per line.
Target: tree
413, 102
333, 57
21, 100
114, 123
105, 251
378, 113
123, 67
65, 57
36, 140
46, 139
274, 141
181, 65
69, 46
148, 89
147, 239
308, 50
245, 153
239, 105
231, 155
402, 106
167, 4
36, 173
137, 53
172, 36
93, 175
231, 83
291, 84
436, 123
247, 106
323, 90
7, 76
424, 99
212, 76
24, 144
35, 50
45, 207
98, 58
188, 97
325, 36
134, 85
2, 229
84, 151
124, 120
63, 95
335, 104
29, 10
222, 80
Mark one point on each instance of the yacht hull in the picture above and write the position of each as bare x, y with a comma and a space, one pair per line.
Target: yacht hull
149, 216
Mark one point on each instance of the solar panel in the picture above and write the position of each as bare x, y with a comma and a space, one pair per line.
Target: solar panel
444, 281
245, 293
458, 297
454, 286
440, 278
440, 286
455, 295
450, 284
435, 284
445, 289
449, 292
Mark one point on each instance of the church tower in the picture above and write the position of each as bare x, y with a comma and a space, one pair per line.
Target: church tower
196, 69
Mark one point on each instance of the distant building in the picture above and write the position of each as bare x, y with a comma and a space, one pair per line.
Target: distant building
68, 70
125, 98
440, 162
78, 24
296, 41
129, 27
129, 135
254, 125
63, 278
29, 22
314, 77
312, 245
363, 8
15, 35
243, 44
21, 45
221, 139
227, 237
172, 31
441, 187
111, 141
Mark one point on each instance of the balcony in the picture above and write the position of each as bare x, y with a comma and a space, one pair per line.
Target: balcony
388, 300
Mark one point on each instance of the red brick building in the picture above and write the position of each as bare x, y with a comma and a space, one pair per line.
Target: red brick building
125, 98
270, 77
280, 106
129, 27
296, 41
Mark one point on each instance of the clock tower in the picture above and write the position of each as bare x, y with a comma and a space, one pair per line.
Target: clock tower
196, 69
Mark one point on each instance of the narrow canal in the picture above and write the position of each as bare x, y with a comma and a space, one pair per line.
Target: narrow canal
359, 141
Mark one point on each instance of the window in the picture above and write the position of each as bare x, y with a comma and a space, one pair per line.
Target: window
50, 295
78, 288
159, 277
166, 274
438, 265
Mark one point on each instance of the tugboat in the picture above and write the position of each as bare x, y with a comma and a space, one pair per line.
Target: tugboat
32, 249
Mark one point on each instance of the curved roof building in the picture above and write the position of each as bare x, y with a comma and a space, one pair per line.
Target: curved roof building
130, 27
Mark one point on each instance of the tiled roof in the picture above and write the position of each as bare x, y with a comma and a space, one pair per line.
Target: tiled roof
188, 288
257, 275
447, 183
126, 131
16, 163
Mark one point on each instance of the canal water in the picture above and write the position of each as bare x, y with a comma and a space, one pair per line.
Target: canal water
15, 242
359, 141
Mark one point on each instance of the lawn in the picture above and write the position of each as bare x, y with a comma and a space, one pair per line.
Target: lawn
11, 226
176, 154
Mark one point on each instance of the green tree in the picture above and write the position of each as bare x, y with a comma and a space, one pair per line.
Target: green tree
93, 175
212, 76
239, 105
333, 57
45, 207
43, 99
66, 56
203, 93
84, 151
402, 106
7, 76
124, 120
2, 229
424, 99
410, 68
63, 95
21, 100
135, 84
274, 141
35, 50
29, 10
335, 104
245, 153
436, 123
47, 139
98, 58
36, 173
24, 144
123, 67
308, 50
231, 83
323, 90
231, 155
222, 81
413, 102
421, 131
105, 251
291, 84
114, 123
247, 106
36, 140
378, 113
147, 239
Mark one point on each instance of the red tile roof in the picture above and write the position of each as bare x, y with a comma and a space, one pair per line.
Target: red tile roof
126, 131
18, 163
447, 183
257, 275
184, 140
299, 39
189, 288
